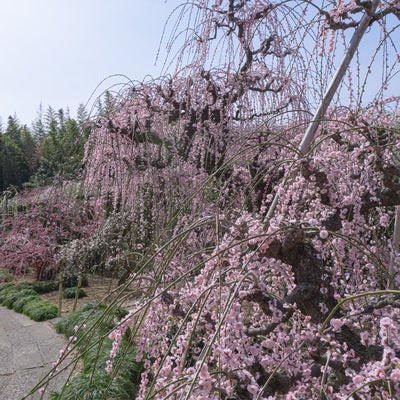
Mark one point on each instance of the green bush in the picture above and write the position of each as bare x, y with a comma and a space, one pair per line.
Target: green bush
5, 286
70, 293
28, 307
8, 294
40, 310
39, 287
72, 280
88, 314
13, 295
5, 290
23, 285
19, 304
95, 346
121, 313
6, 276
24, 297
99, 386
45, 287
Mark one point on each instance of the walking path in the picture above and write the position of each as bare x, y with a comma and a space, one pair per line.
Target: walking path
27, 350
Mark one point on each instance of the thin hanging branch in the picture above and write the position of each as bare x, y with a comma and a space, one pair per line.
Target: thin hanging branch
332, 89
396, 247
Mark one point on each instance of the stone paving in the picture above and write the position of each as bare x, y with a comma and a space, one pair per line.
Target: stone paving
27, 350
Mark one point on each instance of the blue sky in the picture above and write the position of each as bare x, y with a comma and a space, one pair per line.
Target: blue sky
55, 52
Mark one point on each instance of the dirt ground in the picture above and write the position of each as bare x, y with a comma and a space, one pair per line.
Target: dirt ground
98, 290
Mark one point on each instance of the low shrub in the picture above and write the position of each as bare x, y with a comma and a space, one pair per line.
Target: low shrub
99, 386
6, 294
72, 280
14, 294
5, 290
70, 293
28, 307
45, 287
5, 286
6, 276
19, 304
39, 287
95, 347
22, 285
24, 298
40, 310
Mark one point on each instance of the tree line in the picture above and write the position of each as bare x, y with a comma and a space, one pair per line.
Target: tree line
52, 145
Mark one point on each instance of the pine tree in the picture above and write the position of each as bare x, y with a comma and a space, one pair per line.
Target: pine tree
82, 115
38, 128
49, 118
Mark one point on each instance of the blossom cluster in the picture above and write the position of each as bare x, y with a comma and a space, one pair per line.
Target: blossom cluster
265, 273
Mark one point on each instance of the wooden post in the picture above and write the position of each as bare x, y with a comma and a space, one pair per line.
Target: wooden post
78, 288
60, 293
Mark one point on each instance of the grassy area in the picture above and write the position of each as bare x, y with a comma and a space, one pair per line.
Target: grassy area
24, 297
92, 342
70, 293
94, 347
40, 310
6, 276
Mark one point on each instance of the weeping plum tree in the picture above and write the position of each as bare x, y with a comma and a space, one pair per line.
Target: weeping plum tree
235, 305
36, 223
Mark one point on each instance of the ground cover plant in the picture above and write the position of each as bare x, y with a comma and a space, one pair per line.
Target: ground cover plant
24, 298
6, 276
40, 310
95, 347
261, 261
70, 293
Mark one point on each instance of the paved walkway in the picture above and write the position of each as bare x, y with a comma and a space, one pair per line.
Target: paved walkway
27, 349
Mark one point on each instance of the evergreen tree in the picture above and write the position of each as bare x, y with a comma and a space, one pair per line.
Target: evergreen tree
38, 128
83, 120
54, 145
105, 105
49, 117
2, 162
61, 150
17, 154
13, 130
82, 115
29, 150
